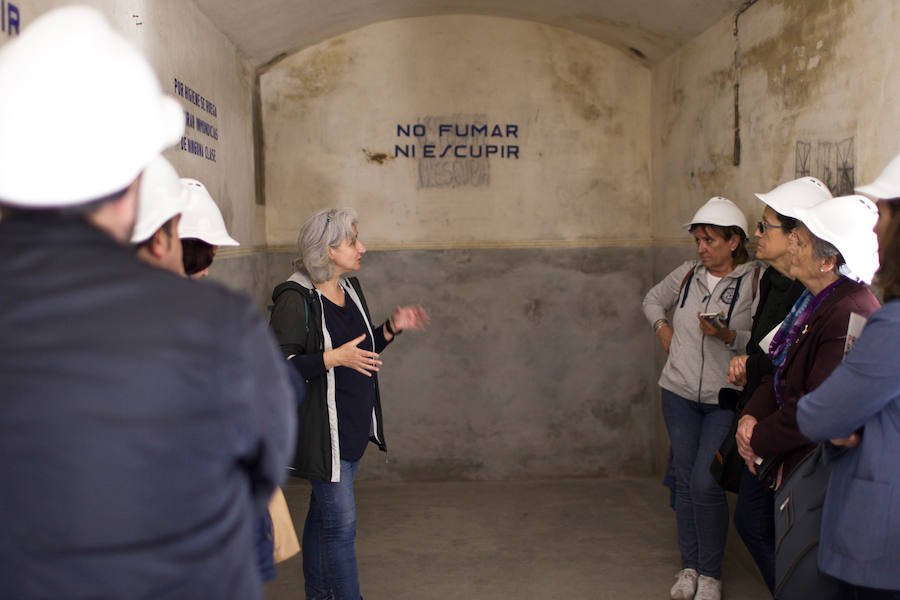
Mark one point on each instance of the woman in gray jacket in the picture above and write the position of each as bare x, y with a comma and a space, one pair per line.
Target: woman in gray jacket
722, 282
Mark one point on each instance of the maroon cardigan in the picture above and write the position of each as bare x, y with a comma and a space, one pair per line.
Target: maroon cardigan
818, 349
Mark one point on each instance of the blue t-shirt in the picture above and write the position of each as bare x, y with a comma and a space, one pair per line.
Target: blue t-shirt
354, 392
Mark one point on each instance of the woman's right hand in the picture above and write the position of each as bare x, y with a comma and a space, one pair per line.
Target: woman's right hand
352, 356
737, 370
664, 334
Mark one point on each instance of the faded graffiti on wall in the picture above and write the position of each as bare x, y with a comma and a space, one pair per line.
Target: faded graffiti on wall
832, 162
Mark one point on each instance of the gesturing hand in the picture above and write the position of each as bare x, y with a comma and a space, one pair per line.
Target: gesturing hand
352, 356
409, 317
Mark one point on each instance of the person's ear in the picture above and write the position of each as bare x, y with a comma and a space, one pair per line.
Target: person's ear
159, 243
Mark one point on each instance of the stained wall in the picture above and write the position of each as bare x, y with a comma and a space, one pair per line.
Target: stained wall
531, 267
816, 88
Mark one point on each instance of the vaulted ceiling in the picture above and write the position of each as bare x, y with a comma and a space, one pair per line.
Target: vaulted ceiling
647, 29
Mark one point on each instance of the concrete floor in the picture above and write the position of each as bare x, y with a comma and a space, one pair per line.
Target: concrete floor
584, 539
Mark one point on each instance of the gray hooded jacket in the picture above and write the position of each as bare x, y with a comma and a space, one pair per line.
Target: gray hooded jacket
698, 364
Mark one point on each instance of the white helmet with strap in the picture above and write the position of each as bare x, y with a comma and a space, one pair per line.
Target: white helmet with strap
846, 223
161, 197
797, 193
202, 218
81, 112
719, 211
887, 185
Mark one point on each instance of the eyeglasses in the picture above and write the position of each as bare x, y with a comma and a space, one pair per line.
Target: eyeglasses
761, 227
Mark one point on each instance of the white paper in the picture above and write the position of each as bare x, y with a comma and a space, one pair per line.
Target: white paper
854, 329
767, 341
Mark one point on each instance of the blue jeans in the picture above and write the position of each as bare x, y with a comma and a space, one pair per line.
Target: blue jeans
754, 519
329, 556
701, 511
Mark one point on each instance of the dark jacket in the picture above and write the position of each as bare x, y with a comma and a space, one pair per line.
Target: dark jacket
300, 329
145, 421
818, 349
860, 525
758, 363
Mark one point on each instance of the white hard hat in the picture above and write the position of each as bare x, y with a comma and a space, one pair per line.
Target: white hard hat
81, 112
797, 193
887, 185
161, 197
846, 223
202, 218
719, 211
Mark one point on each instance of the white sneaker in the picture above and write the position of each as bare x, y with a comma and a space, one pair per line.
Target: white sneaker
686, 585
708, 588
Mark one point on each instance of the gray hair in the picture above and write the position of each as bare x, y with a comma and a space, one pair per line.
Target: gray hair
822, 249
325, 229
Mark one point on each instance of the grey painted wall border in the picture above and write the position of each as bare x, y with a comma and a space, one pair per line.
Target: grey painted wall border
538, 362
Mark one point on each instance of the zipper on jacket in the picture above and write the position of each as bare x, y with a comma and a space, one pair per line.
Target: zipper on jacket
703, 345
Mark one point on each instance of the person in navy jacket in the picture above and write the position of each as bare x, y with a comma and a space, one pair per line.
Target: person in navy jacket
858, 407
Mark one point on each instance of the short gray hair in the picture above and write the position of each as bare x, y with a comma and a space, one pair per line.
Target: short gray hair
822, 249
325, 229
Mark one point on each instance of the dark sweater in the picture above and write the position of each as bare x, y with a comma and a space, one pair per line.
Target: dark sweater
354, 391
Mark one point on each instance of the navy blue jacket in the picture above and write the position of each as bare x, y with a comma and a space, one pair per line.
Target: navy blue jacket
861, 522
144, 422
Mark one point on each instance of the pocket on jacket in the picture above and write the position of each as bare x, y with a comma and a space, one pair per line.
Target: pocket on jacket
861, 527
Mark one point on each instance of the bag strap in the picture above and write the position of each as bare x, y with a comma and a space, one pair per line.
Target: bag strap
737, 290
734, 299
686, 285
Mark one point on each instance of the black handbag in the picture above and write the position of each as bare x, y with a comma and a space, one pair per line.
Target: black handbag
798, 520
727, 465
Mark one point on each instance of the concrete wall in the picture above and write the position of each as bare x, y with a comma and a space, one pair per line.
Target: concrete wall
532, 268
817, 83
331, 112
538, 362
182, 44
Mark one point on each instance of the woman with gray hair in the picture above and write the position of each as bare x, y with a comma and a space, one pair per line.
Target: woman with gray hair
834, 253
324, 328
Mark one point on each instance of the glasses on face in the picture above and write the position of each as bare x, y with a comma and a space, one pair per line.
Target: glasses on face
761, 227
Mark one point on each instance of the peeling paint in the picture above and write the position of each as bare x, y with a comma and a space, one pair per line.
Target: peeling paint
377, 157
317, 74
783, 56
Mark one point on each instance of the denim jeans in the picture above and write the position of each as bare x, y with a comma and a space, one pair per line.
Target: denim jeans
701, 511
329, 556
754, 520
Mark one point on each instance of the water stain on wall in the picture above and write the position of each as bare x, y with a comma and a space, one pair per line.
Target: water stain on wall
797, 59
318, 74
576, 80
534, 311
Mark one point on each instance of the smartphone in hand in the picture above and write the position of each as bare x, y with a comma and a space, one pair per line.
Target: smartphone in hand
715, 319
